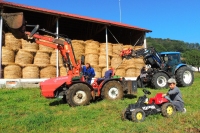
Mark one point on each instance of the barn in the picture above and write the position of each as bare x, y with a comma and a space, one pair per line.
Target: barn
23, 61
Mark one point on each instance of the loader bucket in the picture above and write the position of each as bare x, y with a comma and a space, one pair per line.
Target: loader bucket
15, 23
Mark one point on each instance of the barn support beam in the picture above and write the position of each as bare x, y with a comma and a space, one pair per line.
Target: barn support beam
57, 52
1, 30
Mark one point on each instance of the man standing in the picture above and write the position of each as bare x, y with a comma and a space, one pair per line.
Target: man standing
88, 72
175, 96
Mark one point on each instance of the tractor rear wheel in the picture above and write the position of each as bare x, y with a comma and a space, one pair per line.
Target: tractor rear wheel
112, 90
78, 94
184, 76
159, 80
168, 109
138, 115
123, 115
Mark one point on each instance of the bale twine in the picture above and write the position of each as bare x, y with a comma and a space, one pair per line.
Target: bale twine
12, 42
63, 71
117, 48
53, 58
138, 47
125, 47
103, 48
41, 59
45, 48
8, 55
93, 59
120, 71
23, 57
12, 71
92, 47
116, 61
29, 46
102, 60
48, 72
30, 71
98, 71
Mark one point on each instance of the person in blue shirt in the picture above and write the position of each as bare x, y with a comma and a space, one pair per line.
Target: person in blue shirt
88, 72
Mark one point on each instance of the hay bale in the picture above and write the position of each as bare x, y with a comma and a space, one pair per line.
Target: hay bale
116, 49
53, 58
45, 48
79, 48
63, 71
11, 42
103, 48
98, 71
131, 72
91, 47
125, 47
12, 71
91, 58
29, 46
116, 61
41, 59
103, 71
23, 57
8, 55
138, 47
48, 72
120, 71
30, 71
102, 60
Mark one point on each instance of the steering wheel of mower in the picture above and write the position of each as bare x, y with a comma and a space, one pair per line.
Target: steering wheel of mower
34, 30
146, 91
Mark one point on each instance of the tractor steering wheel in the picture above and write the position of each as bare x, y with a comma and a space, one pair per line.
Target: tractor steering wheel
34, 30
146, 91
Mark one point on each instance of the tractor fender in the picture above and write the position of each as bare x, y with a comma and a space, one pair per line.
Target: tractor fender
179, 66
75, 82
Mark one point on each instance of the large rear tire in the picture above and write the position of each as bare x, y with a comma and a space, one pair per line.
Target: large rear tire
184, 77
112, 90
168, 109
78, 94
138, 115
159, 80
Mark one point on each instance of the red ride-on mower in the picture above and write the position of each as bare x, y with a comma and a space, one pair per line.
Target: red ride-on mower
144, 107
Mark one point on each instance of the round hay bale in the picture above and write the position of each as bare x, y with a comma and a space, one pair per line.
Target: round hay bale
139, 60
125, 47
92, 47
103, 71
79, 48
137, 72
103, 48
30, 71
12, 71
45, 48
93, 59
23, 57
48, 72
116, 61
117, 48
12, 42
41, 59
102, 60
29, 46
53, 58
138, 47
63, 71
120, 71
130, 72
8, 55
98, 71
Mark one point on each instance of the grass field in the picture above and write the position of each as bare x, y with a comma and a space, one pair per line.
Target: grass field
24, 110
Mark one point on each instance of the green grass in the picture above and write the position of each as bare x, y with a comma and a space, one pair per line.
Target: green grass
24, 110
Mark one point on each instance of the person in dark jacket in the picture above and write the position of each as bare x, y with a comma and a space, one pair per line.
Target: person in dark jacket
88, 72
174, 96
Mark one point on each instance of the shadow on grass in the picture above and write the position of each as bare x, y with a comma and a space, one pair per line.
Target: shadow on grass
57, 102
130, 96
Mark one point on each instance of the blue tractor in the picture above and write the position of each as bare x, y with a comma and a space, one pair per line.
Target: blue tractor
160, 67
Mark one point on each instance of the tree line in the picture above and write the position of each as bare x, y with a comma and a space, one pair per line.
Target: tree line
190, 52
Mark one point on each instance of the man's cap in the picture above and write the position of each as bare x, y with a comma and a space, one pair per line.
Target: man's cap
171, 80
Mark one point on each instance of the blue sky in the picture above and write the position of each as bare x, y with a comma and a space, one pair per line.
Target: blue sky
174, 19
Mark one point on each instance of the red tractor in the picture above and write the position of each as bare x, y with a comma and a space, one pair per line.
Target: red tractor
72, 87
144, 107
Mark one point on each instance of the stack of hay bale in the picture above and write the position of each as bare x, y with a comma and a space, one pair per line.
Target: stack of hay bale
25, 59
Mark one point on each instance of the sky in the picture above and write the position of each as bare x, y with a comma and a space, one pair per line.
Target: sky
173, 19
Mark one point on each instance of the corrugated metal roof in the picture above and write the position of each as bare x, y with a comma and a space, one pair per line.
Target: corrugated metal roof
64, 14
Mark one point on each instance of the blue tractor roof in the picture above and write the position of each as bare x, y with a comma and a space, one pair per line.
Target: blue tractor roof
169, 53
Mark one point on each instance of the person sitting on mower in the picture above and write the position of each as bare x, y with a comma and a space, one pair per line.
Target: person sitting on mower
108, 74
174, 96
88, 72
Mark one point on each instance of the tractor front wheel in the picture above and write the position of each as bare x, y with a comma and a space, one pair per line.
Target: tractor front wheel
78, 94
159, 80
112, 90
138, 115
168, 109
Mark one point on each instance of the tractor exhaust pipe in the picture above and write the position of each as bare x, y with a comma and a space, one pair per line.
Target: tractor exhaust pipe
16, 24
